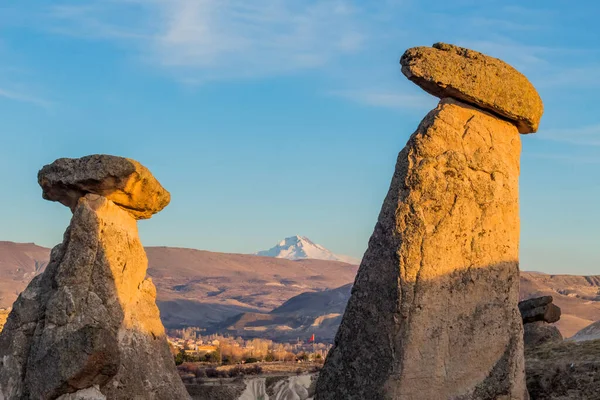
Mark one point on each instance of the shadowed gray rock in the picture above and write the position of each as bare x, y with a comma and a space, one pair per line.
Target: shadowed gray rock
540, 332
539, 309
537, 314
88, 326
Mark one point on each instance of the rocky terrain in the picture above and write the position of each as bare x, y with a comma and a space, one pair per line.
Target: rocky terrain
569, 292
88, 327
274, 386
563, 370
317, 313
433, 312
539, 313
437, 290
196, 288
590, 332
577, 296
200, 288
19, 263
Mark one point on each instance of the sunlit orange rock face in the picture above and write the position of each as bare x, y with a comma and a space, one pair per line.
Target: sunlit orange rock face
89, 326
3, 316
488, 83
433, 312
124, 181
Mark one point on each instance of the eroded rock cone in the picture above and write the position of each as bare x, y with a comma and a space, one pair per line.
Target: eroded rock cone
538, 313
433, 312
89, 327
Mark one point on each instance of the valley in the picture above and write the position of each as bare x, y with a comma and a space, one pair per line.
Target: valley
273, 298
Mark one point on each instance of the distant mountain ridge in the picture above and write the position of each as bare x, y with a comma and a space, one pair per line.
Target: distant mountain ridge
197, 287
256, 296
301, 248
321, 312
19, 263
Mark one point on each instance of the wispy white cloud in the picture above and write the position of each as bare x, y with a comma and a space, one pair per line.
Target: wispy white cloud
387, 99
222, 39
500, 24
198, 41
25, 98
582, 136
93, 20
575, 77
566, 158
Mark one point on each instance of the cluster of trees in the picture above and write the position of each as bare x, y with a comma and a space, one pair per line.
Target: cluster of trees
210, 372
212, 357
233, 352
227, 357
192, 332
236, 350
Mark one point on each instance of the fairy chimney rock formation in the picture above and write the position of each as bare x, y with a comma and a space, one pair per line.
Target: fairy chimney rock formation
539, 309
89, 327
433, 311
538, 313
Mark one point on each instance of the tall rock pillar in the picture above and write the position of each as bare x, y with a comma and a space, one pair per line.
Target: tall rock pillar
88, 327
433, 312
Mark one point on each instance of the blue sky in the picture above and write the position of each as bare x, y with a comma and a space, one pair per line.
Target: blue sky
276, 118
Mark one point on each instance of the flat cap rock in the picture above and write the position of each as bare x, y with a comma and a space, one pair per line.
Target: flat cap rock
535, 302
125, 182
445, 70
539, 309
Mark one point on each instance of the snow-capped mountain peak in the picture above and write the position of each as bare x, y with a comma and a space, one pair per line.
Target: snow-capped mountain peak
300, 247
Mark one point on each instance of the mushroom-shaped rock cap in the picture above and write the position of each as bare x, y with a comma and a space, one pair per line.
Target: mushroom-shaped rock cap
488, 83
125, 182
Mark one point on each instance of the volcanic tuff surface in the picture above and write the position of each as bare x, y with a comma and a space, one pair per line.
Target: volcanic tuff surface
125, 182
432, 295
88, 326
433, 311
445, 70
538, 315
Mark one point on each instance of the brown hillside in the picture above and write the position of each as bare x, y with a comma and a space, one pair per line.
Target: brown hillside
577, 296
19, 263
202, 288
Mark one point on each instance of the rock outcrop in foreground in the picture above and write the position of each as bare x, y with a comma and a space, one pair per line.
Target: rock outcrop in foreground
433, 312
538, 313
563, 370
88, 327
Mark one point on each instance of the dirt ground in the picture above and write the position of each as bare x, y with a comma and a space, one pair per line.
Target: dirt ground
564, 371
